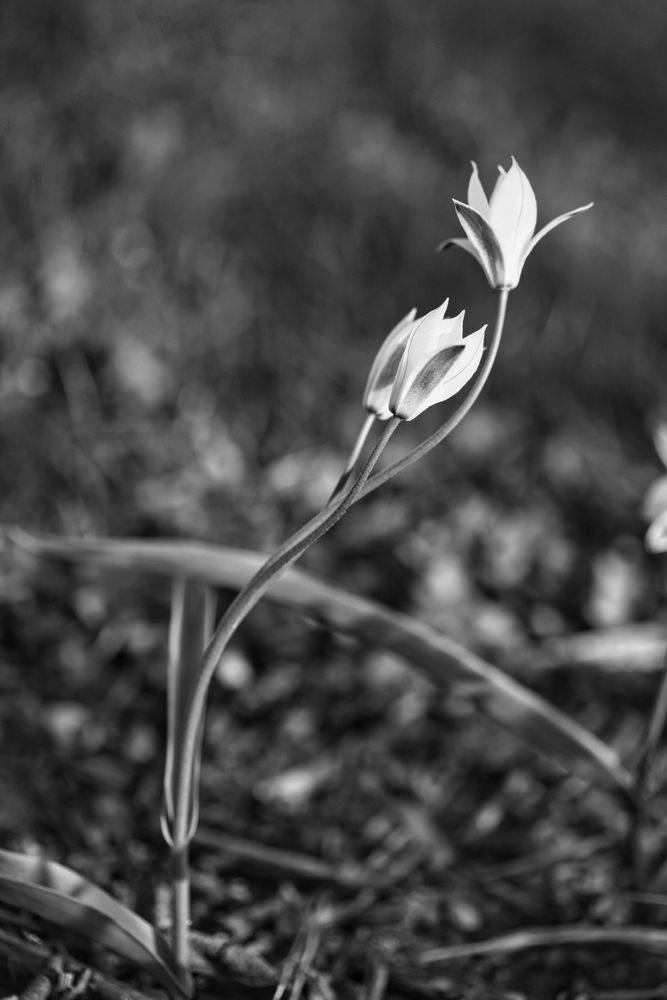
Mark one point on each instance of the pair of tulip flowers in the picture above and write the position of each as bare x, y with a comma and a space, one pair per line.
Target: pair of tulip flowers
427, 360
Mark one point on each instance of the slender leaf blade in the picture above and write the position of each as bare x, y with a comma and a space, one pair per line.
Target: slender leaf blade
444, 661
190, 628
63, 897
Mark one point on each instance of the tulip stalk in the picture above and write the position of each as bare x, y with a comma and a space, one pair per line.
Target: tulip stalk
245, 601
355, 454
423, 361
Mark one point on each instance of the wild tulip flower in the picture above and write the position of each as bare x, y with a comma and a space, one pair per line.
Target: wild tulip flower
422, 362
500, 231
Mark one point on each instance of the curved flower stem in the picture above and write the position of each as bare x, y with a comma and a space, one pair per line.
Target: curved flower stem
435, 439
354, 457
289, 552
284, 556
179, 876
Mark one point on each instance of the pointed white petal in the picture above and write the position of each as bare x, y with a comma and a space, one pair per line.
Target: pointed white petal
476, 197
411, 392
441, 376
502, 173
428, 336
383, 370
547, 229
433, 333
513, 214
555, 222
464, 369
463, 243
484, 242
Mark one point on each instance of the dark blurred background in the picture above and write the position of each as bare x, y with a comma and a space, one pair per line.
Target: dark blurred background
212, 212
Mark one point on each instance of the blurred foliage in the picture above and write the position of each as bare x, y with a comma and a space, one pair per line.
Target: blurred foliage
212, 212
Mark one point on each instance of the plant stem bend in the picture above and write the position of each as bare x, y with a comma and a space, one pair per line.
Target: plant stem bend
247, 598
244, 602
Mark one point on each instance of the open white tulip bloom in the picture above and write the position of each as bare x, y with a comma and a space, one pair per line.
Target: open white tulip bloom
500, 230
436, 362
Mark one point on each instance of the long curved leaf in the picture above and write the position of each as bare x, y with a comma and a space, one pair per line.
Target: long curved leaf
59, 895
444, 661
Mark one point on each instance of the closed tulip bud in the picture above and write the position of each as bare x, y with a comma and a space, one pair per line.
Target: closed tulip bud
500, 231
383, 370
436, 362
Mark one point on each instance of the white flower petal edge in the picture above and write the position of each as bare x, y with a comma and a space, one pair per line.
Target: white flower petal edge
513, 213
383, 370
432, 333
476, 195
437, 363
549, 226
464, 243
461, 371
485, 243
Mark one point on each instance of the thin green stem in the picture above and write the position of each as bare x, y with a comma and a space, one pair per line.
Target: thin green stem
354, 457
244, 602
179, 871
247, 598
439, 436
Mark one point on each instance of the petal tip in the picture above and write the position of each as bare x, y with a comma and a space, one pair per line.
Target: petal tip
453, 241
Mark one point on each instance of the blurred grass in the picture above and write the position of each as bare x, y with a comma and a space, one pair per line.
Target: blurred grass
212, 212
